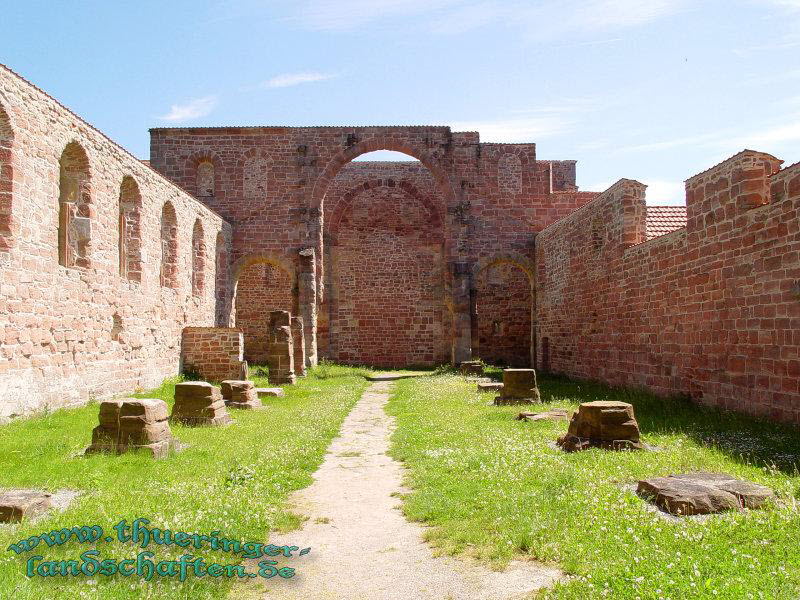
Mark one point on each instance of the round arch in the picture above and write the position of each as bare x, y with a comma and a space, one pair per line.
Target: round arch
260, 284
193, 161
350, 195
6, 177
503, 333
336, 163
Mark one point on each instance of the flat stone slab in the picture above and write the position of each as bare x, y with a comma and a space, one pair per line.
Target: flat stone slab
490, 387
393, 376
702, 493
270, 392
513, 400
16, 505
548, 415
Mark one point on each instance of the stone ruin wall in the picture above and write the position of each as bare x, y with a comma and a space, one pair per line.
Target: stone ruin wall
104, 325
470, 206
385, 275
711, 310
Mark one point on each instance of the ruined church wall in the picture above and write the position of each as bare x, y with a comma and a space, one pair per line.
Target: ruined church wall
68, 334
711, 310
273, 184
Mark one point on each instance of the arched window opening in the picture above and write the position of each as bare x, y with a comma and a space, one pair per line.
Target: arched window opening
74, 199
6, 179
169, 247
198, 259
221, 281
130, 239
205, 179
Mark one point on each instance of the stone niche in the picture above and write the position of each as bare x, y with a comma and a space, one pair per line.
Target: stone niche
240, 394
519, 387
132, 424
702, 493
602, 424
198, 403
280, 353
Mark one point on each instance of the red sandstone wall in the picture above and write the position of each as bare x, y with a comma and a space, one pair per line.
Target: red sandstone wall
271, 184
215, 353
261, 288
384, 237
70, 334
711, 310
503, 306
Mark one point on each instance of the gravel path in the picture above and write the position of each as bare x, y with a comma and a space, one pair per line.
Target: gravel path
362, 548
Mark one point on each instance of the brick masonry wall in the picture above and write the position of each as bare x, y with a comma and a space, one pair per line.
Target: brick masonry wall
70, 334
503, 305
271, 184
384, 237
711, 310
261, 288
215, 353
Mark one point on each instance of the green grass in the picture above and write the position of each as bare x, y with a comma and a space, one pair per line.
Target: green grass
493, 487
232, 479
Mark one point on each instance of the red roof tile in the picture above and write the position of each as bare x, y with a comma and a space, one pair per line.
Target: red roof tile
661, 220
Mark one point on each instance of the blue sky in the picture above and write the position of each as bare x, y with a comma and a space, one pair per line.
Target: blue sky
650, 90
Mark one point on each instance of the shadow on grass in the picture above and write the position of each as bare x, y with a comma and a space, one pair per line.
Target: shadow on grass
746, 439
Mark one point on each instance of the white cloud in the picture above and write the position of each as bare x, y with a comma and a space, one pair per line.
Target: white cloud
194, 109
341, 15
292, 79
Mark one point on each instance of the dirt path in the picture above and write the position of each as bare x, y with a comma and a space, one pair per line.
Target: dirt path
362, 546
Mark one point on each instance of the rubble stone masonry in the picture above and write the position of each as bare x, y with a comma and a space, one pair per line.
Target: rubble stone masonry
83, 312
711, 310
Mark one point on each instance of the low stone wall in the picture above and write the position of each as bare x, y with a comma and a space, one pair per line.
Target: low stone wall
213, 353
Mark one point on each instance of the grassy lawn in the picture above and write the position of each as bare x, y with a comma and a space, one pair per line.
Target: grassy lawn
232, 479
492, 487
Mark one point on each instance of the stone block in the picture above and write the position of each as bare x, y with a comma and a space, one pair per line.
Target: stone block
198, 403
548, 415
280, 351
490, 387
270, 392
702, 493
471, 368
602, 424
240, 394
132, 424
16, 505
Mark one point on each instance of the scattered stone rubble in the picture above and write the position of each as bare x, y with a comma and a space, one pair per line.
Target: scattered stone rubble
199, 403
132, 424
702, 493
602, 424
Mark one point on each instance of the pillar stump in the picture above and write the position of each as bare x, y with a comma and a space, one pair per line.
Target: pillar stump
240, 394
602, 424
519, 387
299, 343
280, 354
132, 424
199, 403
471, 368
